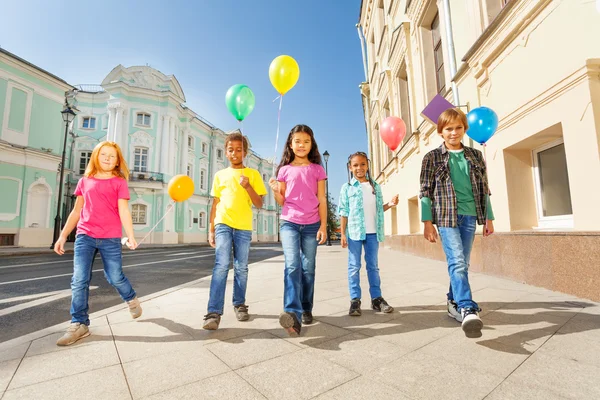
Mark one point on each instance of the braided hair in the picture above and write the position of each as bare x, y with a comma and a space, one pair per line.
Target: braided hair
361, 154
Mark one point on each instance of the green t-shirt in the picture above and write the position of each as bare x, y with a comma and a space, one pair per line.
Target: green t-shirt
461, 180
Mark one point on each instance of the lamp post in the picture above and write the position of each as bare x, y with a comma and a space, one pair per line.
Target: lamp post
67, 115
326, 158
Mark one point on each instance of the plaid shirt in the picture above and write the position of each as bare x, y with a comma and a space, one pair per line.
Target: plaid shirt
351, 206
437, 185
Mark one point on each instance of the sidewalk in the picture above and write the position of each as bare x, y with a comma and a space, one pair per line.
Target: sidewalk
536, 344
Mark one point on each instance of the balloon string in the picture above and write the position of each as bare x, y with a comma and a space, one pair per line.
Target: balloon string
277, 136
169, 208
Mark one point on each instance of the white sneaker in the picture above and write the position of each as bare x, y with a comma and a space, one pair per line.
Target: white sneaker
453, 311
471, 323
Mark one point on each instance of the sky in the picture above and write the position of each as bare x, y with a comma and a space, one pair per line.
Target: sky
210, 45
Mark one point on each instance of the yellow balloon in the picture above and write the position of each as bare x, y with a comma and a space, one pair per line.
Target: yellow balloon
181, 187
284, 73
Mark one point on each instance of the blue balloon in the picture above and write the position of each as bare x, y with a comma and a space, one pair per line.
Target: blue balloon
483, 123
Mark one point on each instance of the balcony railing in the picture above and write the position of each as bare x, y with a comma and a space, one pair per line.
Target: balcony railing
146, 176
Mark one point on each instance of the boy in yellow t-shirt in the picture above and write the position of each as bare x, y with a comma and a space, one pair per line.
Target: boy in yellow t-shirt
235, 190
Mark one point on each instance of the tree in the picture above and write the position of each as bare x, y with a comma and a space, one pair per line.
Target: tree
332, 218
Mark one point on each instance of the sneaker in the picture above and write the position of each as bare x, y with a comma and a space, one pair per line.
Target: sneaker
241, 312
211, 321
471, 323
290, 323
379, 304
307, 318
355, 308
74, 332
135, 308
453, 311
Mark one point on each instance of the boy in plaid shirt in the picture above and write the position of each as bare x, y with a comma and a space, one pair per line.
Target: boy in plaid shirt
455, 196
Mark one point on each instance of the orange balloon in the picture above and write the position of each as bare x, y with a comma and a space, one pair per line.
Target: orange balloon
181, 187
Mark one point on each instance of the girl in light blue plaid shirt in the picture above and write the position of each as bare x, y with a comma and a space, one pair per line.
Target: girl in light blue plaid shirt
361, 211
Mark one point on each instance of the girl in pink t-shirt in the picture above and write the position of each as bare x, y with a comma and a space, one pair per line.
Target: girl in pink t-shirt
300, 189
100, 210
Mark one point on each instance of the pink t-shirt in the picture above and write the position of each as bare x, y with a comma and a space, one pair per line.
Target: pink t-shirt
100, 214
301, 202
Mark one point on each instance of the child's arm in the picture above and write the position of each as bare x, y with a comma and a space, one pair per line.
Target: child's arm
392, 203
211, 226
427, 186
256, 199
322, 233
127, 223
72, 220
343, 224
278, 189
343, 211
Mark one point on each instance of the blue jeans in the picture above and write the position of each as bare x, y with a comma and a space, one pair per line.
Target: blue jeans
86, 248
299, 244
227, 237
457, 243
354, 253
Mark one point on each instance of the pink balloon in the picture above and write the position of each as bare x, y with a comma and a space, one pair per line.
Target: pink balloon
392, 132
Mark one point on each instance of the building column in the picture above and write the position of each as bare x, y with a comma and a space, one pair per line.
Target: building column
184, 151
111, 123
117, 135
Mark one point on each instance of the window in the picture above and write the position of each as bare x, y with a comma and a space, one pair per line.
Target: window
552, 185
203, 179
202, 220
84, 159
190, 142
204, 147
190, 170
143, 119
89, 123
265, 226
265, 177
138, 213
404, 100
438, 55
254, 224
219, 154
140, 159
493, 8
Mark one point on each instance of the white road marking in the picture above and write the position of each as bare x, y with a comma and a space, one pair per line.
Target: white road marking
70, 260
98, 270
50, 296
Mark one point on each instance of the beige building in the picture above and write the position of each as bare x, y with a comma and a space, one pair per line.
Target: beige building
536, 63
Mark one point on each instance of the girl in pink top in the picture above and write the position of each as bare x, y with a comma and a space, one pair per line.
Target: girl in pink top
100, 210
300, 189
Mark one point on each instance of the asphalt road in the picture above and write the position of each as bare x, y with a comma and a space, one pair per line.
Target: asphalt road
35, 290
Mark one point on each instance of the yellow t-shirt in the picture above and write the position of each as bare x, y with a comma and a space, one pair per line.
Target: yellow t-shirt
235, 206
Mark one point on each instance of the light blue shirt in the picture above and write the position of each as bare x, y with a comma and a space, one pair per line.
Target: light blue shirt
351, 206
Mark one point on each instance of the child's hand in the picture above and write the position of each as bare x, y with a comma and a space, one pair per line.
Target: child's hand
59, 246
322, 234
132, 243
274, 185
394, 201
211, 239
429, 232
344, 241
489, 228
244, 181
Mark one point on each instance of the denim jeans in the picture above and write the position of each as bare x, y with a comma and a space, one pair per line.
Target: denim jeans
86, 248
227, 238
457, 243
354, 260
299, 244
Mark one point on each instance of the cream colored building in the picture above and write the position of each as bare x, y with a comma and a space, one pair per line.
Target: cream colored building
536, 63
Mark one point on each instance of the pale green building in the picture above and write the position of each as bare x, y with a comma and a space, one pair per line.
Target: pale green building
138, 107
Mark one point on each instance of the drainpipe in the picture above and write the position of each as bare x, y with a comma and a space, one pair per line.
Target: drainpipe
365, 99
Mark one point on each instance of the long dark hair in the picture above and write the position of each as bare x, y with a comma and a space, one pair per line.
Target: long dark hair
361, 154
288, 155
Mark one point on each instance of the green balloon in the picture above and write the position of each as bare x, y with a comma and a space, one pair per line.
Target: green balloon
240, 101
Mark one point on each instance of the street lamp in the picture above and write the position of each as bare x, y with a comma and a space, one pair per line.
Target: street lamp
67, 115
326, 158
